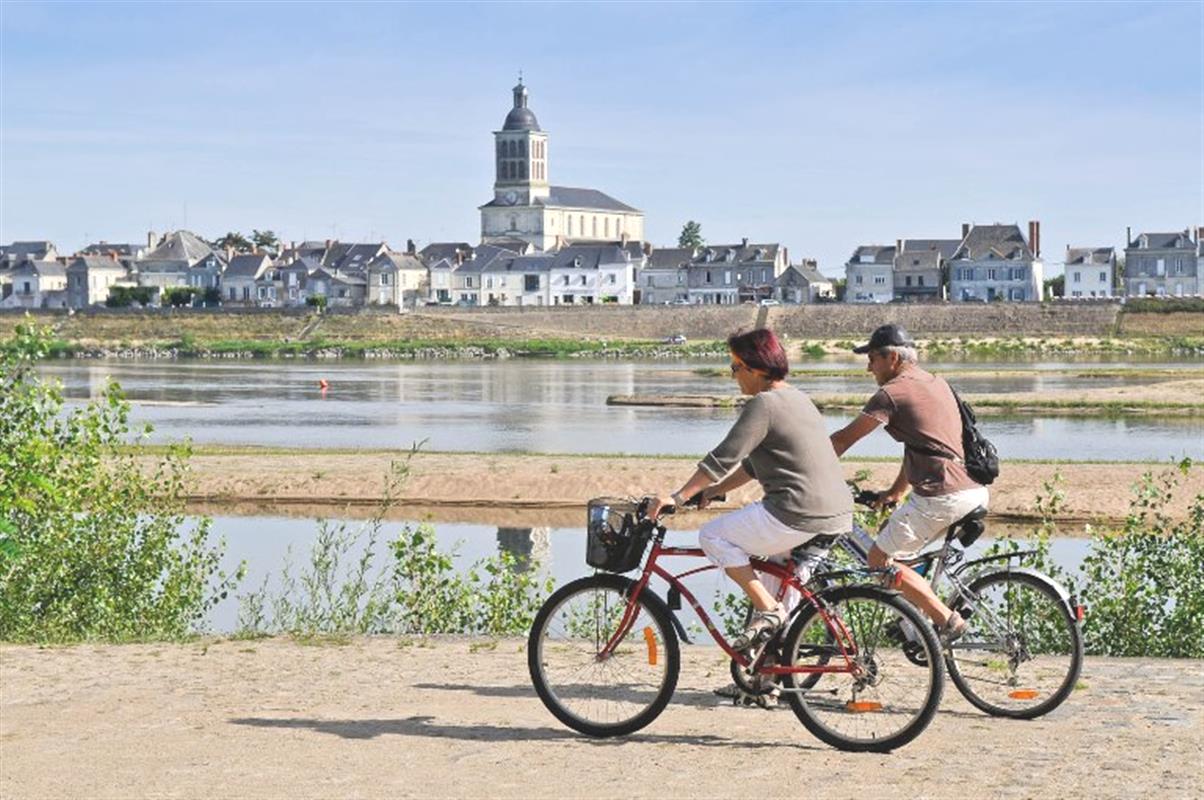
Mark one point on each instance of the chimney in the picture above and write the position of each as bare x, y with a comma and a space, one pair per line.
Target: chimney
459, 257
1034, 237
623, 239
327, 244
151, 240
113, 255
1128, 236
647, 248
411, 249
898, 247
744, 242
965, 229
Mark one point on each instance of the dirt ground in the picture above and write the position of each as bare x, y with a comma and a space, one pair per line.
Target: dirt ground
393, 718
447, 484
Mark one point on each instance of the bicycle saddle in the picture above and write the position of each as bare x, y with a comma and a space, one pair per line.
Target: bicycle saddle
967, 529
813, 544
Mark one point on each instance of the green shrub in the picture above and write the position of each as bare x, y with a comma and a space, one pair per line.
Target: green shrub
93, 546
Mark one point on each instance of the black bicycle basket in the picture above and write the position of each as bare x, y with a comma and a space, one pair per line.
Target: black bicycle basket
614, 541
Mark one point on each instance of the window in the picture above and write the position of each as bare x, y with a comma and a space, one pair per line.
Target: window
908, 280
1160, 266
1103, 277
727, 277
606, 227
570, 224
879, 280
468, 282
707, 281
530, 283
595, 226
1077, 277
858, 280
611, 278
566, 280
246, 293
489, 282
990, 273
384, 279
233, 293
920, 280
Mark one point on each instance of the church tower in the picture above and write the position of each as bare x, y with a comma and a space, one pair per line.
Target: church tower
521, 155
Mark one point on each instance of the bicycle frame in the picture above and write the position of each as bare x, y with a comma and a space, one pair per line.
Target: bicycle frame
843, 639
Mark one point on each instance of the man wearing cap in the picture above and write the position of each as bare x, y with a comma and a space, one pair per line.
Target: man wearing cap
919, 410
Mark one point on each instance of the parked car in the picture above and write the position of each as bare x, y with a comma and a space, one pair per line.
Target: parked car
676, 338
769, 301
681, 301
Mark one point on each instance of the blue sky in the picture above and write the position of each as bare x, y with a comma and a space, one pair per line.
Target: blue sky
822, 126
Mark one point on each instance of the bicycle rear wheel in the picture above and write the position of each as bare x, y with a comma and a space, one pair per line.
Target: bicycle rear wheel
1023, 650
887, 699
602, 696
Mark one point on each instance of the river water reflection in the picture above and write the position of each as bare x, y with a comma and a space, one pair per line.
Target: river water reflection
558, 406
265, 543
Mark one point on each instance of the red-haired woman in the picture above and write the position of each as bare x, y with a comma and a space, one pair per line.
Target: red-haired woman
781, 442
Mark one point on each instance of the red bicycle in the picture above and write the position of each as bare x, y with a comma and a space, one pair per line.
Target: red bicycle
604, 655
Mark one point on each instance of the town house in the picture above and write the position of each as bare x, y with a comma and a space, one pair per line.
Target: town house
995, 262
869, 274
1161, 264
89, 279
1088, 272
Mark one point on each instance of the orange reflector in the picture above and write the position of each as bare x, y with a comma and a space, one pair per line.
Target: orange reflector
1023, 694
862, 706
650, 640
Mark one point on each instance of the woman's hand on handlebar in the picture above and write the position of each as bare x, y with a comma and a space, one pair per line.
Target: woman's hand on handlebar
658, 504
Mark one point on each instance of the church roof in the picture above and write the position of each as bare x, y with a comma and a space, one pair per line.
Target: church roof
569, 197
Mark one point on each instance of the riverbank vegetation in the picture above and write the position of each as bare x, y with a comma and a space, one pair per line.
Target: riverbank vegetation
93, 545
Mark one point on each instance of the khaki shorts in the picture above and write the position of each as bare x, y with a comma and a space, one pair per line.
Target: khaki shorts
923, 519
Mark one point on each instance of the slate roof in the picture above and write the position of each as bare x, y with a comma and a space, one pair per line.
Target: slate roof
670, 257
882, 254
35, 250
400, 261
95, 262
998, 241
540, 262
43, 269
946, 247
125, 249
1165, 241
247, 265
592, 256
484, 255
438, 250
1089, 255
182, 246
741, 253
812, 274
353, 256
570, 197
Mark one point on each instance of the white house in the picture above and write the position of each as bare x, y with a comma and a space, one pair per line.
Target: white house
238, 281
37, 284
1089, 272
869, 275
89, 279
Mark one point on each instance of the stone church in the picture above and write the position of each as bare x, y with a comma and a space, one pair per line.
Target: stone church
526, 207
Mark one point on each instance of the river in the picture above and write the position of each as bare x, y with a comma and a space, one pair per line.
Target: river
558, 406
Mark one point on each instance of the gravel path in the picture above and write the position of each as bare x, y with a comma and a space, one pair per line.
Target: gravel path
385, 717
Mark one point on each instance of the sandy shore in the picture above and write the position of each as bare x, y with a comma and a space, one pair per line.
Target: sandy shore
392, 718
487, 487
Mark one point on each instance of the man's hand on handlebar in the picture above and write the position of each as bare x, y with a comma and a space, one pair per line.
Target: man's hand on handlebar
876, 500
655, 505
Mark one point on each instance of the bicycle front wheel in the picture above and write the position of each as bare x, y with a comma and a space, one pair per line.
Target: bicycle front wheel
602, 694
895, 676
1022, 652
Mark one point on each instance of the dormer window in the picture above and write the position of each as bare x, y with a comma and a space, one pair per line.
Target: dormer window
709, 255
577, 261
731, 254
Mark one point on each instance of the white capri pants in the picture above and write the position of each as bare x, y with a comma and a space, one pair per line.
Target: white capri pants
924, 519
729, 540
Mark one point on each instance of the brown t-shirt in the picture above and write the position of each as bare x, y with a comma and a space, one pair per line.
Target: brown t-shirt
918, 409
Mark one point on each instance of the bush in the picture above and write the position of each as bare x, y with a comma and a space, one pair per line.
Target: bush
317, 301
178, 296
92, 546
1164, 305
1141, 584
125, 296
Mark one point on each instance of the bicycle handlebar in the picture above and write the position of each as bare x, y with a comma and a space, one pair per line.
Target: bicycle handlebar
642, 509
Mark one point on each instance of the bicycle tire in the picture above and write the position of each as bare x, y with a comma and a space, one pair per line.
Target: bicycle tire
654, 625
1060, 621
818, 706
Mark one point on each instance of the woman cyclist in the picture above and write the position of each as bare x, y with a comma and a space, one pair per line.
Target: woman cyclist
779, 441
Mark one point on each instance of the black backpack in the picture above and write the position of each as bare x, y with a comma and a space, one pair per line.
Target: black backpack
981, 460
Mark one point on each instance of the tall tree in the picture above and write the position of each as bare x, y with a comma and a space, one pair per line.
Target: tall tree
265, 240
234, 241
691, 235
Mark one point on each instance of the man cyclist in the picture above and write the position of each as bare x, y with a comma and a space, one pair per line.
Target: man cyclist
919, 410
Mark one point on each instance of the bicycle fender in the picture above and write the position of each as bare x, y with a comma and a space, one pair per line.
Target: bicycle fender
654, 599
1058, 588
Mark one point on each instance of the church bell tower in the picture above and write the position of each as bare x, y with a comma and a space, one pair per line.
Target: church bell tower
521, 155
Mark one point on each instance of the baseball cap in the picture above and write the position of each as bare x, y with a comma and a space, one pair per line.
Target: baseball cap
886, 336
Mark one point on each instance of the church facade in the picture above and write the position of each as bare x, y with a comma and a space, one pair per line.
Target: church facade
527, 208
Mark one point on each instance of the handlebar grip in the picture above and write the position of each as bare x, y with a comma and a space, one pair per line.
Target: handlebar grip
865, 497
697, 498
